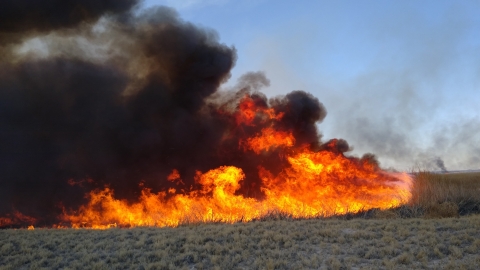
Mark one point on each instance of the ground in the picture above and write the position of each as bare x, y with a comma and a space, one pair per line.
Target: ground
413, 243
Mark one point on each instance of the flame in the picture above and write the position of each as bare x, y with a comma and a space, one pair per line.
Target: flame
248, 111
325, 183
175, 175
309, 182
16, 218
268, 139
316, 184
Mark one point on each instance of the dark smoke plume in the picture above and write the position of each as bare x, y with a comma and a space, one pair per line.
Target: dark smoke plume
18, 16
440, 164
70, 124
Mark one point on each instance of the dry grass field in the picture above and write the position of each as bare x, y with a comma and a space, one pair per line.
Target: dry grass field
451, 243
441, 195
439, 229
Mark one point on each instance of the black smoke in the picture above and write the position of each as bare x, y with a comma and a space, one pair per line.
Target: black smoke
46, 15
70, 124
440, 164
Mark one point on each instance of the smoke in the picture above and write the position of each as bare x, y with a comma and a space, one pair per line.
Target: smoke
253, 81
430, 163
72, 121
440, 164
408, 111
398, 80
46, 15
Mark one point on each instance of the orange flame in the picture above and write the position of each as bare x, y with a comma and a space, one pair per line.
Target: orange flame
175, 175
310, 184
268, 139
248, 111
15, 219
317, 184
325, 183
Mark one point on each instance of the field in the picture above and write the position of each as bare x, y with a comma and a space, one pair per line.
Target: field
459, 190
438, 229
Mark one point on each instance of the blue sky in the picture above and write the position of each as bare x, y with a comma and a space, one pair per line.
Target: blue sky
400, 79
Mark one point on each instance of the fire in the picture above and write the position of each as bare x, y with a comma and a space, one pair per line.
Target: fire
16, 218
311, 184
268, 139
215, 202
175, 175
317, 184
139, 132
309, 181
325, 183
248, 111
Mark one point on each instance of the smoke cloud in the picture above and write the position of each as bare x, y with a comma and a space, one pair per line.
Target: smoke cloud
72, 121
46, 15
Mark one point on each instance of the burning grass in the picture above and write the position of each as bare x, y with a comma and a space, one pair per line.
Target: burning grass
435, 195
437, 229
432, 196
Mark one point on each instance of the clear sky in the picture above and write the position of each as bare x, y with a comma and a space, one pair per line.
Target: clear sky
400, 79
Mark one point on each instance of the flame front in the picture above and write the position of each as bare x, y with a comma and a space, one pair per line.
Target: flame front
294, 175
141, 129
316, 184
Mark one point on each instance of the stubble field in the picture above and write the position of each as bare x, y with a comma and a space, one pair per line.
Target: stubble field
439, 229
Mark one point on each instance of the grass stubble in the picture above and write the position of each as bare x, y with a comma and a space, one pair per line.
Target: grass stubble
439, 229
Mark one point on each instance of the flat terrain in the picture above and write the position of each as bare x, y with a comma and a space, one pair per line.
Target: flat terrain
449, 243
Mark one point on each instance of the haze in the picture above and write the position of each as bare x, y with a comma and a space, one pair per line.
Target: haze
400, 79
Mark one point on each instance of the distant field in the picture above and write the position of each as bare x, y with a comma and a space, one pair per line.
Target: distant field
438, 229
